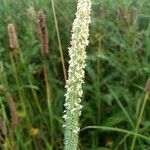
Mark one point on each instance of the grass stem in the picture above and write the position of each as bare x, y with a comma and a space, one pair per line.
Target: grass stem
59, 41
139, 121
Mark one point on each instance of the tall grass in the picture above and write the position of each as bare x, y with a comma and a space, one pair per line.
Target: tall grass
115, 116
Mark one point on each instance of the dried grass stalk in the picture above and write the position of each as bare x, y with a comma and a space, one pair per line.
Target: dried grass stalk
13, 40
43, 33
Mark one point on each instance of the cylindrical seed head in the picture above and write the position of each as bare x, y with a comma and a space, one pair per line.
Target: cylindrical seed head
13, 41
43, 33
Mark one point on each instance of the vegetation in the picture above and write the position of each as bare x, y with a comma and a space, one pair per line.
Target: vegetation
115, 113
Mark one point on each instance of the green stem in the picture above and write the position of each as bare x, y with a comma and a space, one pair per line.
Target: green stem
98, 87
17, 81
105, 128
48, 96
31, 83
139, 121
59, 41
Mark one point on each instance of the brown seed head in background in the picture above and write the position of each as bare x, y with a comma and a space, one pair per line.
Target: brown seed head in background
31, 13
13, 41
13, 110
133, 14
43, 33
147, 87
123, 17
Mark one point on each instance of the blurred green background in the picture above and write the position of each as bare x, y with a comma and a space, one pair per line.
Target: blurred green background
118, 67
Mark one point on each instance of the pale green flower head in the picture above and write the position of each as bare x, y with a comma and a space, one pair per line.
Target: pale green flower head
77, 53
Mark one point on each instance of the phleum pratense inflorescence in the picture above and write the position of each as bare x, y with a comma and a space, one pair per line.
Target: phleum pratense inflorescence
43, 33
13, 40
77, 53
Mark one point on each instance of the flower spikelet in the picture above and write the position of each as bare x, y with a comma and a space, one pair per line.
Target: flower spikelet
77, 53
13, 110
13, 41
43, 33
31, 13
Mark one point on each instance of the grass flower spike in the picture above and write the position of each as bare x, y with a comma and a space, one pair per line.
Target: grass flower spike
13, 41
77, 53
43, 33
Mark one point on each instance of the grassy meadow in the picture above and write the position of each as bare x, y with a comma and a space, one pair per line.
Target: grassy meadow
116, 102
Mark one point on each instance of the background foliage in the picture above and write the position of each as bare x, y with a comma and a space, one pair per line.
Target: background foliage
118, 67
